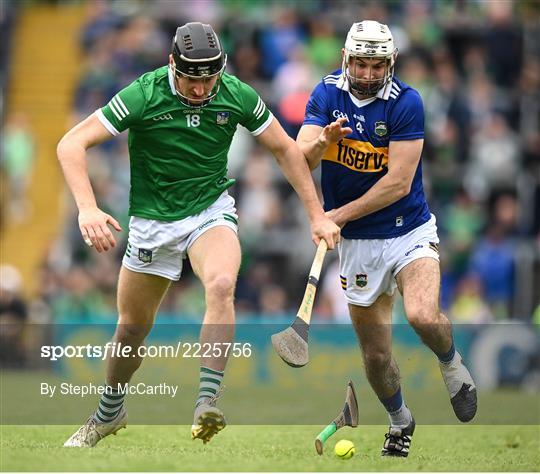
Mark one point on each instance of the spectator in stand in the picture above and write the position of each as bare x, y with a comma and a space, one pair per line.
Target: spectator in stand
100, 20
259, 205
495, 158
81, 299
279, 38
462, 221
273, 300
17, 161
253, 277
322, 45
13, 316
468, 305
503, 43
493, 258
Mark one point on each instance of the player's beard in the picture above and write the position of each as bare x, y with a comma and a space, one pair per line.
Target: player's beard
367, 88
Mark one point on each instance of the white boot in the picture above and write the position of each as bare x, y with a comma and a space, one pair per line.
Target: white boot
89, 434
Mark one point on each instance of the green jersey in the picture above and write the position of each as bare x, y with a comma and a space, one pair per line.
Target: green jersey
178, 154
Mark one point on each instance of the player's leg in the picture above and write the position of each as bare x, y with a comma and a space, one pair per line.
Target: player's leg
139, 296
374, 331
151, 261
373, 326
419, 283
366, 276
215, 259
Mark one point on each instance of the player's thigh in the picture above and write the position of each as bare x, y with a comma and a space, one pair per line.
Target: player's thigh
215, 256
373, 325
365, 272
139, 297
419, 282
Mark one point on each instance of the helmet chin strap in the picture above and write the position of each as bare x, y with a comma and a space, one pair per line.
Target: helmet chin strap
373, 85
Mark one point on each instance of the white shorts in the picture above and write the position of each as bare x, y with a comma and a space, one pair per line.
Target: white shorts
368, 267
158, 247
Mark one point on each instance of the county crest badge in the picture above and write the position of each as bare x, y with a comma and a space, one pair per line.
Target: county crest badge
145, 255
222, 118
380, 129
361, 280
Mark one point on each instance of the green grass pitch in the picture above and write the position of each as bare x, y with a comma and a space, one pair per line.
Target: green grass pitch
271, 448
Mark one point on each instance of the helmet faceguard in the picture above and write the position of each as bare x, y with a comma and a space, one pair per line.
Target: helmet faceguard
197, 53
369, 39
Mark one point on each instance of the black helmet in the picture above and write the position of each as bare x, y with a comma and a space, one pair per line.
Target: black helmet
196, 51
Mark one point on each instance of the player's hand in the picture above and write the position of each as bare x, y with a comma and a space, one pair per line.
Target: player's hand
334, 132
324, 228
335, 216
94, 226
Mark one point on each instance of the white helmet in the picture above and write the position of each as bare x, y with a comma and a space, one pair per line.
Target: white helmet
369, 39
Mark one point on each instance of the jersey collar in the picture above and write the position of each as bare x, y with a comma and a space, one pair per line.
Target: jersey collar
384, 93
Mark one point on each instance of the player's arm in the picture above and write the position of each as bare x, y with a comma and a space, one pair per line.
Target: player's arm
318, 132
294, 167
71, 151
313, 140
403, 159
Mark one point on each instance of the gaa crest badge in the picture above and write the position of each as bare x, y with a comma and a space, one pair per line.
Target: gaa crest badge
145, 255
361, 280
222, 118
380, 129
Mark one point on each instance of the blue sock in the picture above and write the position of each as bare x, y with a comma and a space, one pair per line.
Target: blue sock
447, 357
398, 413
393, 403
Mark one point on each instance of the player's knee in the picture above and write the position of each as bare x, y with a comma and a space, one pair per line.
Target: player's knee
377, 360
221, 287
423, 316
131, 334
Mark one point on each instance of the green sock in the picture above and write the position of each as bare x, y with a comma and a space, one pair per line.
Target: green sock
110, 405
210, 381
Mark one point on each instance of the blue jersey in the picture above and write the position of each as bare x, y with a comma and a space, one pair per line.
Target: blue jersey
354, 164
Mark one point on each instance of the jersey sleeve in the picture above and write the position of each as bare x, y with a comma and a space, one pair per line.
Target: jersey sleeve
256, 116
407, 117
316, 108
123, 110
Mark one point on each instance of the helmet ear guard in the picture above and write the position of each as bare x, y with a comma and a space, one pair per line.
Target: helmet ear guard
369, 39
197, 53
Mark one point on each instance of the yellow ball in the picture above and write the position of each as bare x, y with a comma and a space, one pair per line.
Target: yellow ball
344, 449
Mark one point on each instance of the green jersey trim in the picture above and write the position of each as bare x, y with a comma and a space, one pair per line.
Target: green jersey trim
118, 107
264, 126
105, 122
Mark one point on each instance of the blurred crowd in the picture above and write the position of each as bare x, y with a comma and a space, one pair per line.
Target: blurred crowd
477, 67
